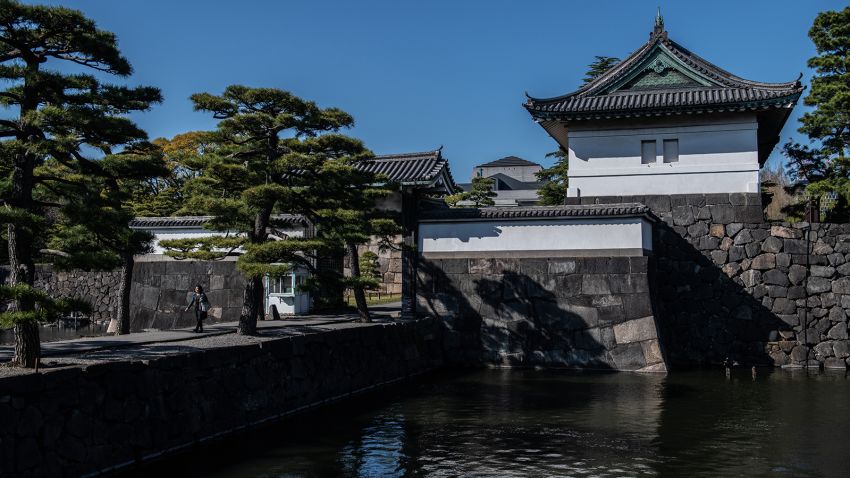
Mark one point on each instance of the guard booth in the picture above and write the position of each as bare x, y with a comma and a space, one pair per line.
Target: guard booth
284, 293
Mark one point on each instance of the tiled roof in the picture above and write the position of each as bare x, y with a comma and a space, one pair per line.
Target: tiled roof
412, 168
593, 210
507, 161
716, 90
197, 221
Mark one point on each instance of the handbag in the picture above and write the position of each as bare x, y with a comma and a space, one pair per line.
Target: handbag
203, 304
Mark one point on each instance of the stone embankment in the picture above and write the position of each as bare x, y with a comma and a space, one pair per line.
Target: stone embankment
574, 312
120, 410
754, 292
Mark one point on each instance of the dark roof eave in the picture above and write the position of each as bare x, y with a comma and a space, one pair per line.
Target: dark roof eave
597, 211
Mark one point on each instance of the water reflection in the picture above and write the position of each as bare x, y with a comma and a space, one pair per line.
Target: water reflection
532, 423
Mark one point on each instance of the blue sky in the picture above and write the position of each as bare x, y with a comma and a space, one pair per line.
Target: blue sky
417, 75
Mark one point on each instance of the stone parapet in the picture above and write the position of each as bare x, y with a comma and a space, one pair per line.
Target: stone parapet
95, 419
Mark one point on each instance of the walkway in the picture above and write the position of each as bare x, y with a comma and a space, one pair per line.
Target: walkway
71, 347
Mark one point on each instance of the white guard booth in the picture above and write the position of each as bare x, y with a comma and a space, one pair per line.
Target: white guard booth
284, 294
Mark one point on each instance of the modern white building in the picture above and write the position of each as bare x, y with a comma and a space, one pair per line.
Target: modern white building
514, 181
664, 121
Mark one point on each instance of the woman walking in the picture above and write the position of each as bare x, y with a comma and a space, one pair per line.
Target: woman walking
202, 305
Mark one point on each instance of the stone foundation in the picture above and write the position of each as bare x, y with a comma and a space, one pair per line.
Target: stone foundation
744, 291
714, 208
582, 312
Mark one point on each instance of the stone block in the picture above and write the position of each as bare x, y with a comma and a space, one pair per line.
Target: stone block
698, 229
817, 285
841, 348
708, 243
636, 306
839, 286
842, 244
726, 243
799, 354
562, 266
743, 237
652, 352
683, 216
731, 269
775, 277
752, 249
734, 228
783, 260
796, 274
628, 356
534, 266
595, 284
785, 232
481, 266
836, 259
635, 330
717, 230
751, 278
764, 261
796, 292
836, 314
822, 271
795, 246
834, 363
838, 332
771, 244
777, 291
783, 306
638, 264
821, 248
736, 253
823, 350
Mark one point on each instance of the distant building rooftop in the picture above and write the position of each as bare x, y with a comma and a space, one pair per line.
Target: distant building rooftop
427, 168
506, 162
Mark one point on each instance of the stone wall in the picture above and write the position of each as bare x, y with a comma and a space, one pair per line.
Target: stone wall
159, 293
584, 312
99, 288
77, 421
687, 208
161, 289
743, 291
389, 261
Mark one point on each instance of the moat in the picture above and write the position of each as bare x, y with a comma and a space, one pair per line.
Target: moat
550, 423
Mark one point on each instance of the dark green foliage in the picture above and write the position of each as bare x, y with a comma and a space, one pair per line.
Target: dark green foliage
554, 191
600, 65
276, 153
370, 269
46, 308
67, 143
822, 166
481, 194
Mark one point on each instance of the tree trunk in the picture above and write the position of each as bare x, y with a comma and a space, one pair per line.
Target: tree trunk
27, 346
359, 293
124, 292
251, 304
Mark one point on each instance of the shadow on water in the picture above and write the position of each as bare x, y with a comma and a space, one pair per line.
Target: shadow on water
548, 423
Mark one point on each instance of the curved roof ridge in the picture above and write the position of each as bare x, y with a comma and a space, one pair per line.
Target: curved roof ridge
434, 152
701, 65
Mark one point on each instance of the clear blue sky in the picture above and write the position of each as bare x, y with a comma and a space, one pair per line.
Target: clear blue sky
418, 74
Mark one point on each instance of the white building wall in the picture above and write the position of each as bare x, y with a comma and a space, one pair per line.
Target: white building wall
166, 233
716, 156
562, 235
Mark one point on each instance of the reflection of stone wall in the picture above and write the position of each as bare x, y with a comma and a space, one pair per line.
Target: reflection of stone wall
78, 421
585, 312
161, 291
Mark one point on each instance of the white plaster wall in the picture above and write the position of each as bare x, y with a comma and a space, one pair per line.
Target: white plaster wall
565, 234
166, 233
715, 156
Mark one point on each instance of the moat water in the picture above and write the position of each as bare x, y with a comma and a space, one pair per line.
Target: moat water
526, 423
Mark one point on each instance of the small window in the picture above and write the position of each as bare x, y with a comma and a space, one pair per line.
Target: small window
647, 152
671, 150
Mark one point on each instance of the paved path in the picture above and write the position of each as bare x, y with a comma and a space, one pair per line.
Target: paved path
88, 344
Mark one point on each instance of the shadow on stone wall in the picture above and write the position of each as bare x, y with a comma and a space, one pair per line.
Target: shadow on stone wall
705, 314
576, 312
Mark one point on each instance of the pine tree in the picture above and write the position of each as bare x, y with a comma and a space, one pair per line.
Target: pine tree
823, 166
69, 119
480, 194
554, 190
272, 151
598, 67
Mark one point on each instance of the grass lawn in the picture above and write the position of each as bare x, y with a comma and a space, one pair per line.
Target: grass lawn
372, 299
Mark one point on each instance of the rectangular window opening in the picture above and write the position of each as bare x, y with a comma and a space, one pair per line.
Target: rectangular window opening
647, 152
671, 150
